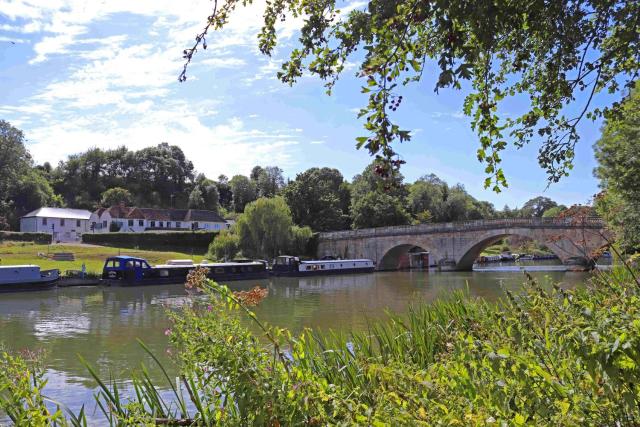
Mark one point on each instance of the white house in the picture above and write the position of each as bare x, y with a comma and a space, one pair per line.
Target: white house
65, 225
134, 220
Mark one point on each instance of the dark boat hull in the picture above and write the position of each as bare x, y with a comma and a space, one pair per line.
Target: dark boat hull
329, 272
28, 286
179, 278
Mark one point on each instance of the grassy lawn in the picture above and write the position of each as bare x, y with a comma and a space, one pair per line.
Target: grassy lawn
93, 257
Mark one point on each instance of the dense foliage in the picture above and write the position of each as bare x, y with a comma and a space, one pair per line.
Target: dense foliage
23, 188
547, 54
544, 358
619, 170
186, 241
319, 198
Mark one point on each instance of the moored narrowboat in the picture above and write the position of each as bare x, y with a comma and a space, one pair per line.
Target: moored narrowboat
132, 271
292, 266
15, 278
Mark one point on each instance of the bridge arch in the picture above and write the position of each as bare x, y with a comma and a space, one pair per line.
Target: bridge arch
471, 252
397, 257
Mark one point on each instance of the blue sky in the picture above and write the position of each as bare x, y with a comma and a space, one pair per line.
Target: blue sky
87, 74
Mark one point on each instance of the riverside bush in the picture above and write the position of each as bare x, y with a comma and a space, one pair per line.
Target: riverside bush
545, 357
185, 241
41, 238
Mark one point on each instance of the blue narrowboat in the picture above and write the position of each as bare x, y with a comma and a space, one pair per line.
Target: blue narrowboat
132, 271
292, 266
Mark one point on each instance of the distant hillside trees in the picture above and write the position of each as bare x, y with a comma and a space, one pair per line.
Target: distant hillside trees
23, 187
318, 199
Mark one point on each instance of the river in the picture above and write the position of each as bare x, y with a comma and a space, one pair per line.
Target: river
102, 324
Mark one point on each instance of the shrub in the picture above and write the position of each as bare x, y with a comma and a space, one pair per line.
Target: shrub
548, 357
183, 241
224, 246
41, 238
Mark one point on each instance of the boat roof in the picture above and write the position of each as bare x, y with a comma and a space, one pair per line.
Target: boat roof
325, 261
59, 213
213, 264
19, 266
126, 258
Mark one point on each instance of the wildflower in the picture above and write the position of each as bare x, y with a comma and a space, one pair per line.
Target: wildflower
167, 331
252, 297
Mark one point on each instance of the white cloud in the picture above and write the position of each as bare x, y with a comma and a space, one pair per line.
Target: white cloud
122, 89
317, 142
227, 148
13, 40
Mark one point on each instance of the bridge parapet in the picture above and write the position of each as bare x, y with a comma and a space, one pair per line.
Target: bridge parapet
464, 226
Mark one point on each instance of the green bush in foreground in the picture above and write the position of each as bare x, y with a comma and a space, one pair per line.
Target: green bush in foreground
542, 358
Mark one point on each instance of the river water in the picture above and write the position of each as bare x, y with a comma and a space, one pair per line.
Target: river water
102, 324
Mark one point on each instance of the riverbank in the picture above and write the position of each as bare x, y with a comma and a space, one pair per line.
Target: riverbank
92, 256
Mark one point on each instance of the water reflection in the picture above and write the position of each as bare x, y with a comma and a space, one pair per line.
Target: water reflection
102, 324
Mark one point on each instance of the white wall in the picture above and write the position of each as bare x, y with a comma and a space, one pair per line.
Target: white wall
28, 225
137, 228
64, 229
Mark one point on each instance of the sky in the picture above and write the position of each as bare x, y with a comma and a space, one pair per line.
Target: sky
76, 74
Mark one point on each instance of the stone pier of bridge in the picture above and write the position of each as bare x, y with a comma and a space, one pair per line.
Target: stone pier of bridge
457, 245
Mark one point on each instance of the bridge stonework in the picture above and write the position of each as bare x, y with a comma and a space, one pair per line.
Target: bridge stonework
457, 245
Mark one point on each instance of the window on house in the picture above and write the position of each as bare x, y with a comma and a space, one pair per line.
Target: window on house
153, 224
177, 224
168, 224
44, 221
130, 223
78, 223
62, 222
160, 224
104, 224
195, 226
141, 222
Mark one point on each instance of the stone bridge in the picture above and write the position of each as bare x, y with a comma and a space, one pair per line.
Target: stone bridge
457, 245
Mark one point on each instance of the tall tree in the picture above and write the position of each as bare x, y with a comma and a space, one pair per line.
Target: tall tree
22, 187
378, 209
537, 206
618, 170
15, 160
196, 200
224, 192
270, 181
549, 52
243, 190
319, 198
264, 229
116, 196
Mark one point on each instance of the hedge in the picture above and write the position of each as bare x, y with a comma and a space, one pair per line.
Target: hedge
195, 242
42, 238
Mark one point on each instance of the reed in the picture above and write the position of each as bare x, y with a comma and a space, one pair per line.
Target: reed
543, 357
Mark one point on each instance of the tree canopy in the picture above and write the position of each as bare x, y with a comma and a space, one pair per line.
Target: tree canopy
264, 229
23, 188
619, 171
544, 53
319, 198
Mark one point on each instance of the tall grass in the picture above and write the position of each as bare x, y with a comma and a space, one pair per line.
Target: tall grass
545, 357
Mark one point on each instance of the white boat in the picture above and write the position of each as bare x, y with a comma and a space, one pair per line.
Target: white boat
293, 266
26, 278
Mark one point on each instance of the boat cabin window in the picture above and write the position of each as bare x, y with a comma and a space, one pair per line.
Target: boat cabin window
219, 270
283, 260
113, 263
